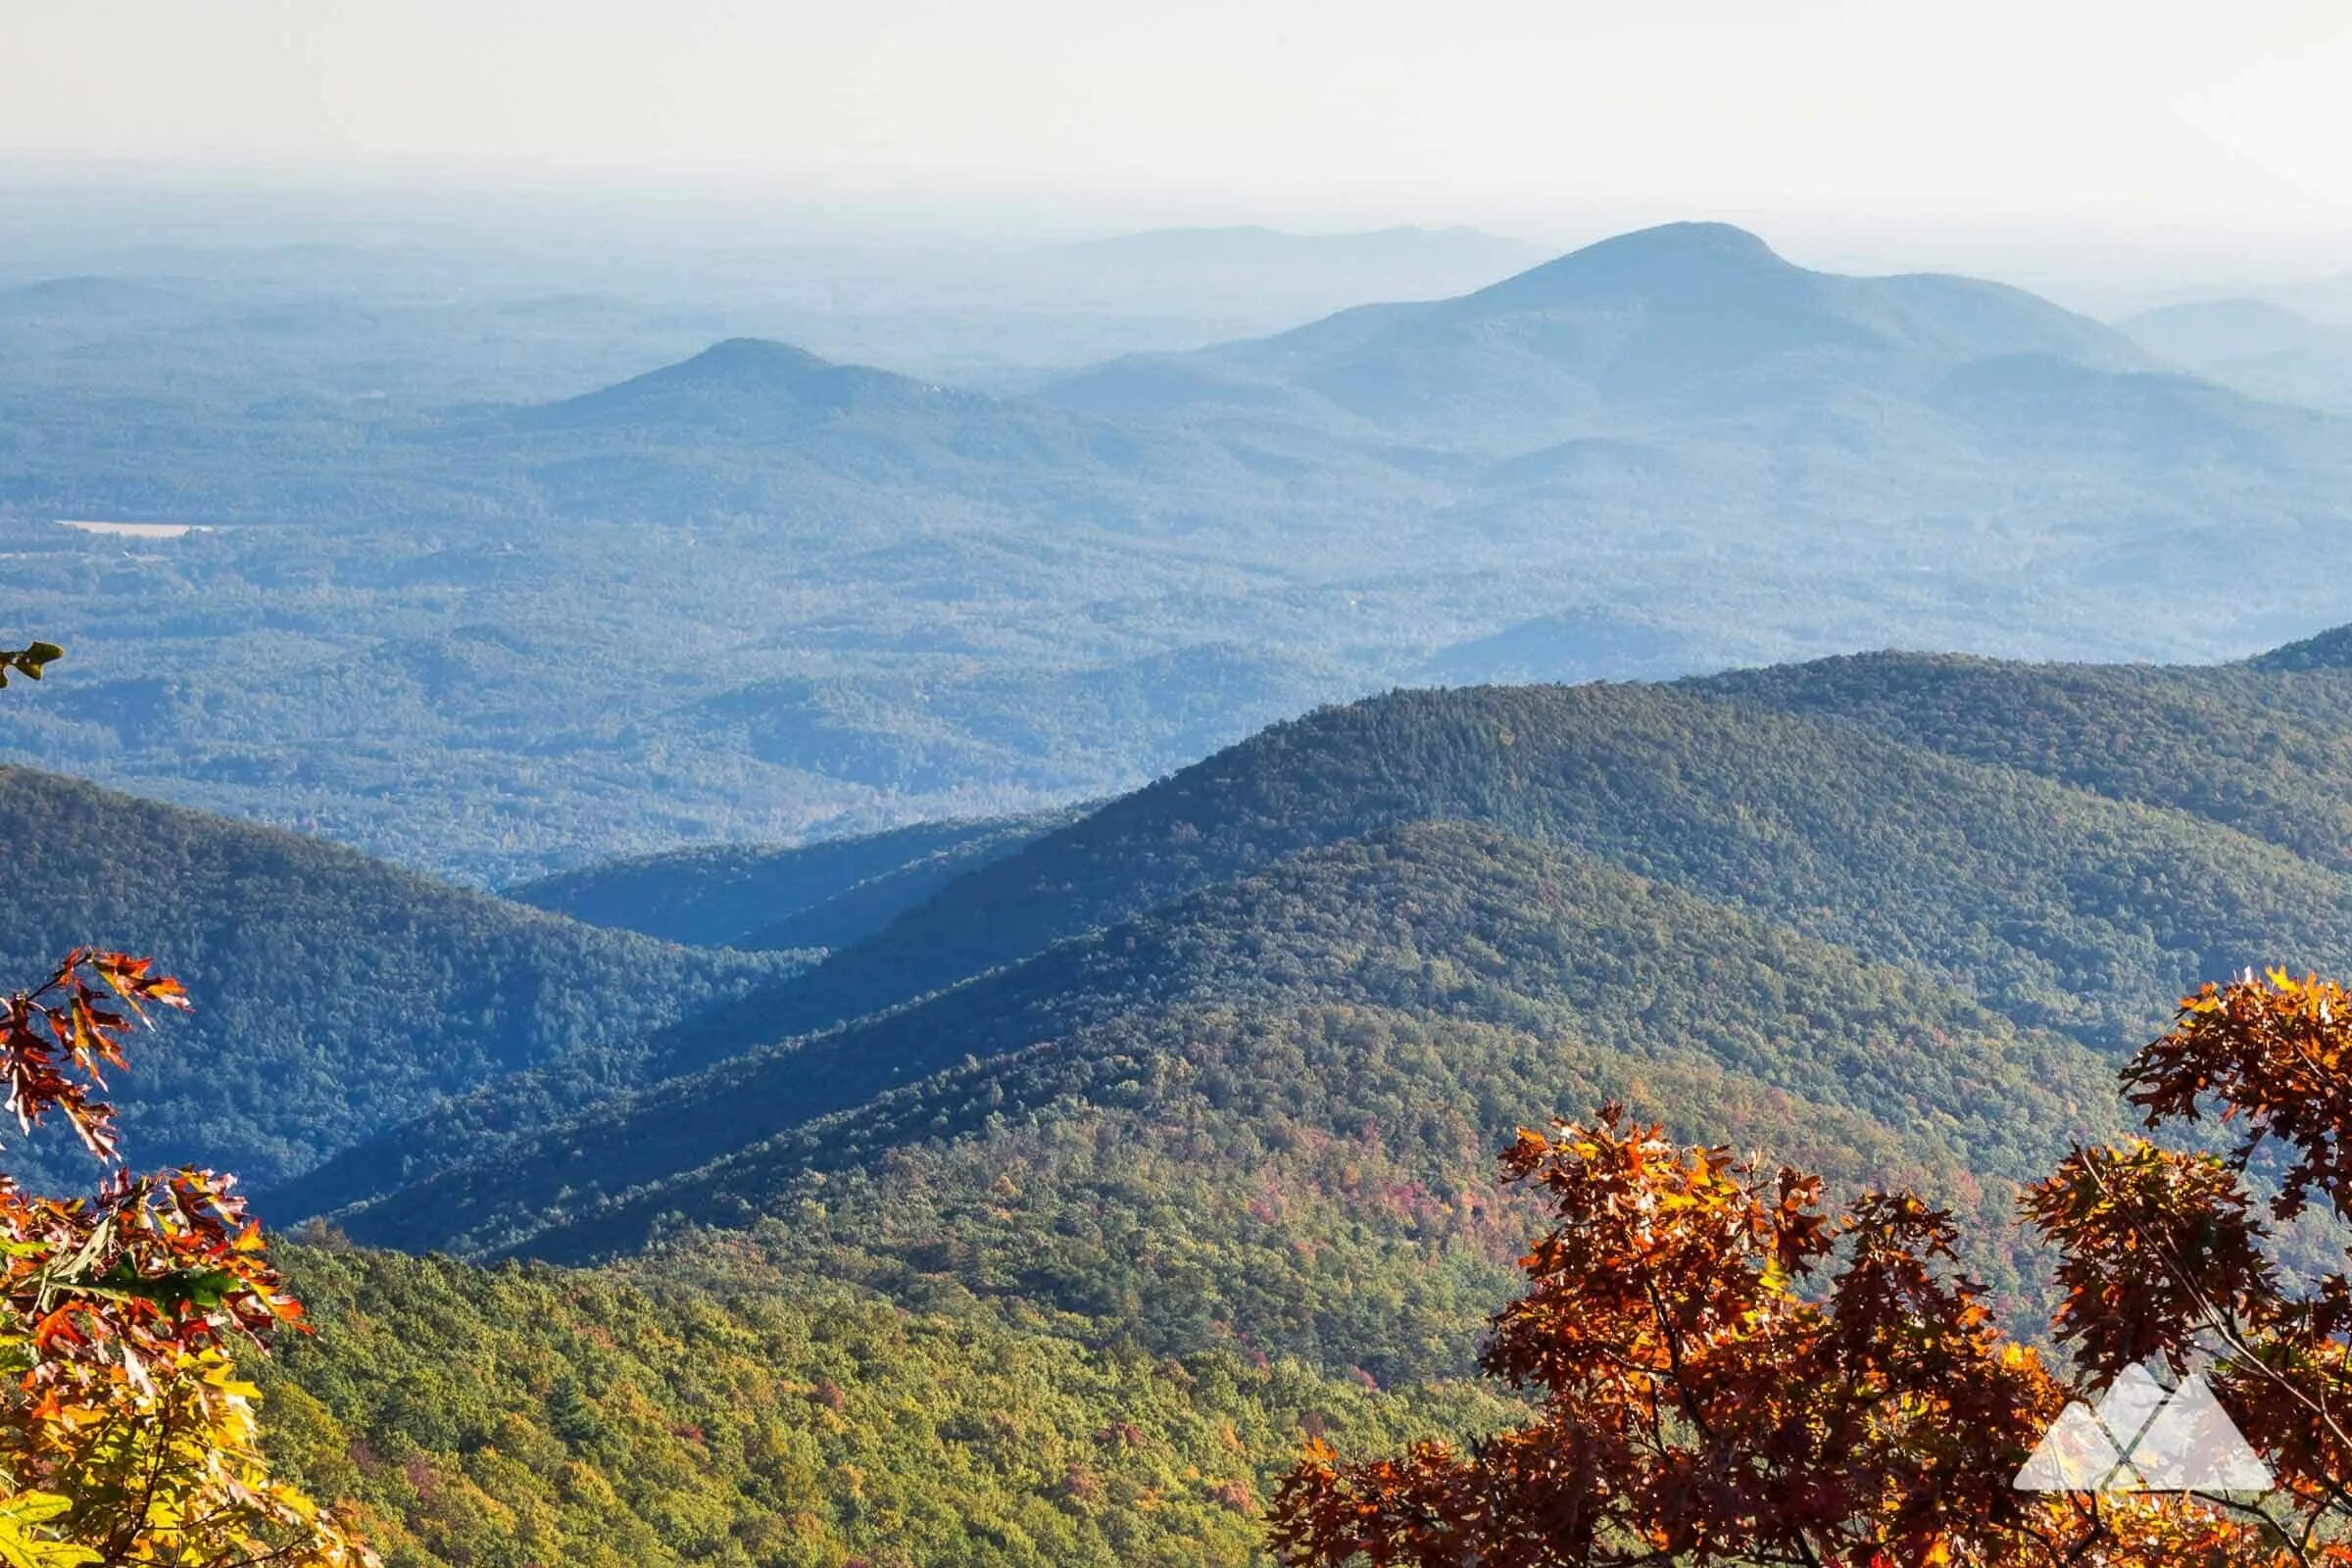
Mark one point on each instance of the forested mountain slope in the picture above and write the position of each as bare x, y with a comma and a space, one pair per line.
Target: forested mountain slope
628, 1419
1416, 993
1211, 1077
335, 994
2063, 878
2056, 904
2327, 650
2265, 747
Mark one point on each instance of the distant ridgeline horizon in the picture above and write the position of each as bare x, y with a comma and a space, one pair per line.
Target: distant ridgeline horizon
458, 622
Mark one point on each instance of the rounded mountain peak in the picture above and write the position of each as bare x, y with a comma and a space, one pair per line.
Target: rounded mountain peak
1685, 239
1671, 258
752, 357
742, 378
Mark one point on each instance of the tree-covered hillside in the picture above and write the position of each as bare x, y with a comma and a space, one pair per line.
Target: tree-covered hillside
2054, 869
2051, 901
1214, 1075
498, 1419
1211, 1076
2264, 748
335, 995
1345, 1039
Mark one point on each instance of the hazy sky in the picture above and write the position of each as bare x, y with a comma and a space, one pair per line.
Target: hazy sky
2205, 124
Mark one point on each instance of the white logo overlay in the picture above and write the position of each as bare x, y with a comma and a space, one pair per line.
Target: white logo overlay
2142, 1439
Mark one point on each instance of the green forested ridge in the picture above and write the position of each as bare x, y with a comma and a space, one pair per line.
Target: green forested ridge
336, 995
2328, 649
2265, 748
521, 1417
2082, 900
1437, 922
2051, 902
1215, 1073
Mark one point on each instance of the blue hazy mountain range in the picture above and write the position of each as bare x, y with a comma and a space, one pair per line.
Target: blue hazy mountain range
1693, 321
2254, 345
753, 591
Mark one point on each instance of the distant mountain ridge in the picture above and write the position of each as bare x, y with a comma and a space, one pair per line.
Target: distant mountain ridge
752, 384
2257, 346
1700, 316
751, 427
805, 592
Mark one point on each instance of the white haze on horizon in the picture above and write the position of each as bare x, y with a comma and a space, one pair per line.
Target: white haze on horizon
2085, 146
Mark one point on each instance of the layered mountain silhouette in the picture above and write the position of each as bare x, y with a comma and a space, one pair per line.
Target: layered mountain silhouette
1859, 900
1691, 320
2254, 345
1668, 453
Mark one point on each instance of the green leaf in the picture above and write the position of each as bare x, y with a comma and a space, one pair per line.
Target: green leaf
23, 1514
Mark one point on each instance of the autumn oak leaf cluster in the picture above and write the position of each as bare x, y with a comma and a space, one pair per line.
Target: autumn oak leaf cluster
125, 1434
1724, 1370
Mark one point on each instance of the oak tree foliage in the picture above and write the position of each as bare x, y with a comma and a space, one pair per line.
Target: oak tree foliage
125, 1434
1724, 1370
